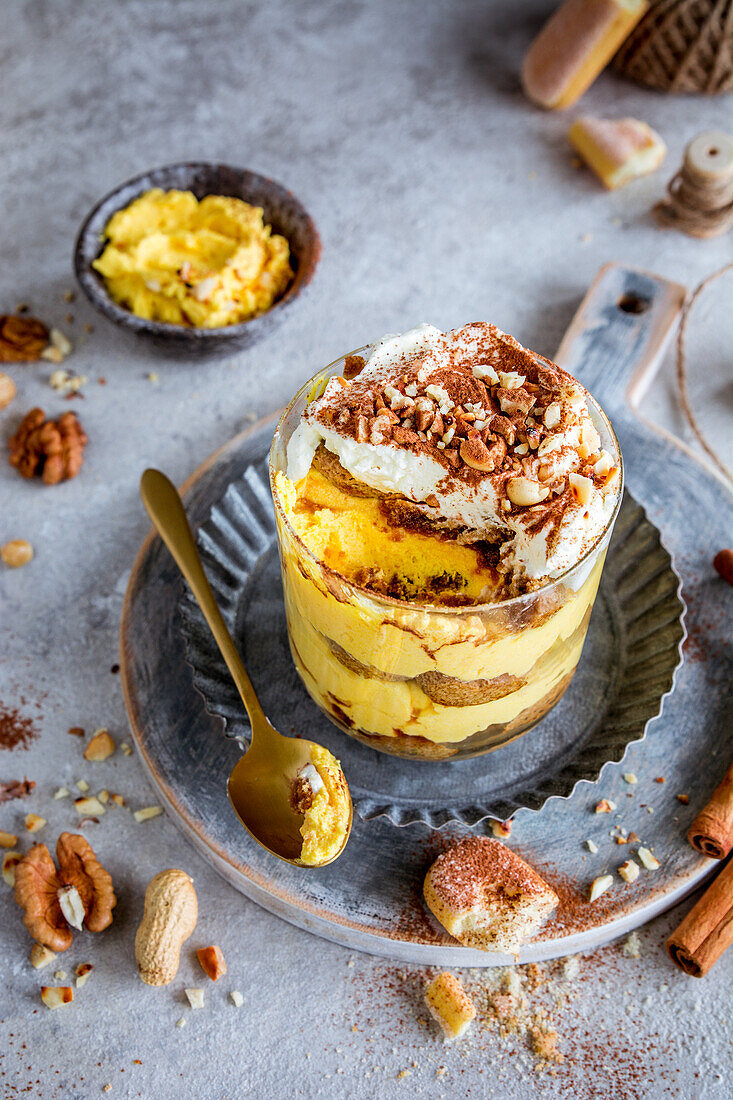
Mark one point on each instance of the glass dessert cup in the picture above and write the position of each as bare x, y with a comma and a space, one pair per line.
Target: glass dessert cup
418, 679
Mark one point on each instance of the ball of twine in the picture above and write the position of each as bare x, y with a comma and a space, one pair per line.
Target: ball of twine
682, 387
682, 46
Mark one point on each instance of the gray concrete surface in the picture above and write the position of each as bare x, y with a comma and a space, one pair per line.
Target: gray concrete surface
441, 195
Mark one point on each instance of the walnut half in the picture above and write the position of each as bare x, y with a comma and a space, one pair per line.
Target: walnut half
42, 891
51, 449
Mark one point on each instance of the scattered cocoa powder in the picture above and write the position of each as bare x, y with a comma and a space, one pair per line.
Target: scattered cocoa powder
16, 730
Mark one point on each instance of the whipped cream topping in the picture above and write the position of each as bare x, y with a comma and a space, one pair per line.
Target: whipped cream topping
480, 434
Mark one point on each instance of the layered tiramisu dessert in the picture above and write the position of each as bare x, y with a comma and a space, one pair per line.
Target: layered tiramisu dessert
444, 504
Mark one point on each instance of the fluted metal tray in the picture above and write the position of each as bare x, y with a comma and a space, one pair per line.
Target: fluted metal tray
631, 652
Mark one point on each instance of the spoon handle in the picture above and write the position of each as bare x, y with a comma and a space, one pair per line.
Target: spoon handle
165, 508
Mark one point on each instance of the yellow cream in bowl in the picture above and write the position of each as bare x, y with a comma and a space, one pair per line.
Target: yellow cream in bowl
209, 264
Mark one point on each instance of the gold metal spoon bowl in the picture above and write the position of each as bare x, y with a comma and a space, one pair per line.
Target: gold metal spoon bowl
260, 785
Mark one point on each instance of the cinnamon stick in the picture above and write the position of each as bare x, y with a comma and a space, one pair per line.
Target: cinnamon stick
707, 930
712, 830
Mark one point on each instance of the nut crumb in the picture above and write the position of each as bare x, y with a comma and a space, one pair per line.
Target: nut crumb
7, 840
147, 813
605, 806
195, 997
629, 871
599, 886
100, 747
7, 390
10, 862
41, 956
237, 998
648, 859
632, 946
629, 777
591, 846
34, 823
16, 553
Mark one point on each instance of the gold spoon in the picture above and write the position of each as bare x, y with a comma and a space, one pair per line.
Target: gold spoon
260, 784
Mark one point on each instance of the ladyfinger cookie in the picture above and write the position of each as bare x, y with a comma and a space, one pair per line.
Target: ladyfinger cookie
574, 46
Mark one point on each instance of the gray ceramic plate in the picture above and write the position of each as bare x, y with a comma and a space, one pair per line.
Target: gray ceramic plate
628, 665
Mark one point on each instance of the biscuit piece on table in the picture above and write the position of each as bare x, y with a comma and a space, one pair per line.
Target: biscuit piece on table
486, 896
618, 150
449, 1004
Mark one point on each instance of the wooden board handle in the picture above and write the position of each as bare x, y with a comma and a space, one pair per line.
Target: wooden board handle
615, 341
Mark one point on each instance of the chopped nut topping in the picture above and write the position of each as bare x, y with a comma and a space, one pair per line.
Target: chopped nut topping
62, 792
501, 829
524, 492
629, 777
591, 846
237, 998
34, 823
82, 785
581, 487
125, 749
7, 840
605, 806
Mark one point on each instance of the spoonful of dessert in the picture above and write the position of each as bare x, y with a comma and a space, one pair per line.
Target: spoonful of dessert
290, 794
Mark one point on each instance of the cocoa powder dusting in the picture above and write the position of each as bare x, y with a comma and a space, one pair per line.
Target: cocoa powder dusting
17, 731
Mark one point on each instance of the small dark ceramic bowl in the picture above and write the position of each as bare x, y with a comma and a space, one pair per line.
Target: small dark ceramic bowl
282, 211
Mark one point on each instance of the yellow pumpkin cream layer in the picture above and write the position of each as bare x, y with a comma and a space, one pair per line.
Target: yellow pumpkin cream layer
401, 706
351, 535
212, 263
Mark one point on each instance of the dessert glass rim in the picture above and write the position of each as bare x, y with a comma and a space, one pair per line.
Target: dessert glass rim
423, 606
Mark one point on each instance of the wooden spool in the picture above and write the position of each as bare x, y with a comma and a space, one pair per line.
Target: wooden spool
700, 194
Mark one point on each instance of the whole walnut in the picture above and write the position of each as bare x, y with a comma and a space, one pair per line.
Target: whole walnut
51, 449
